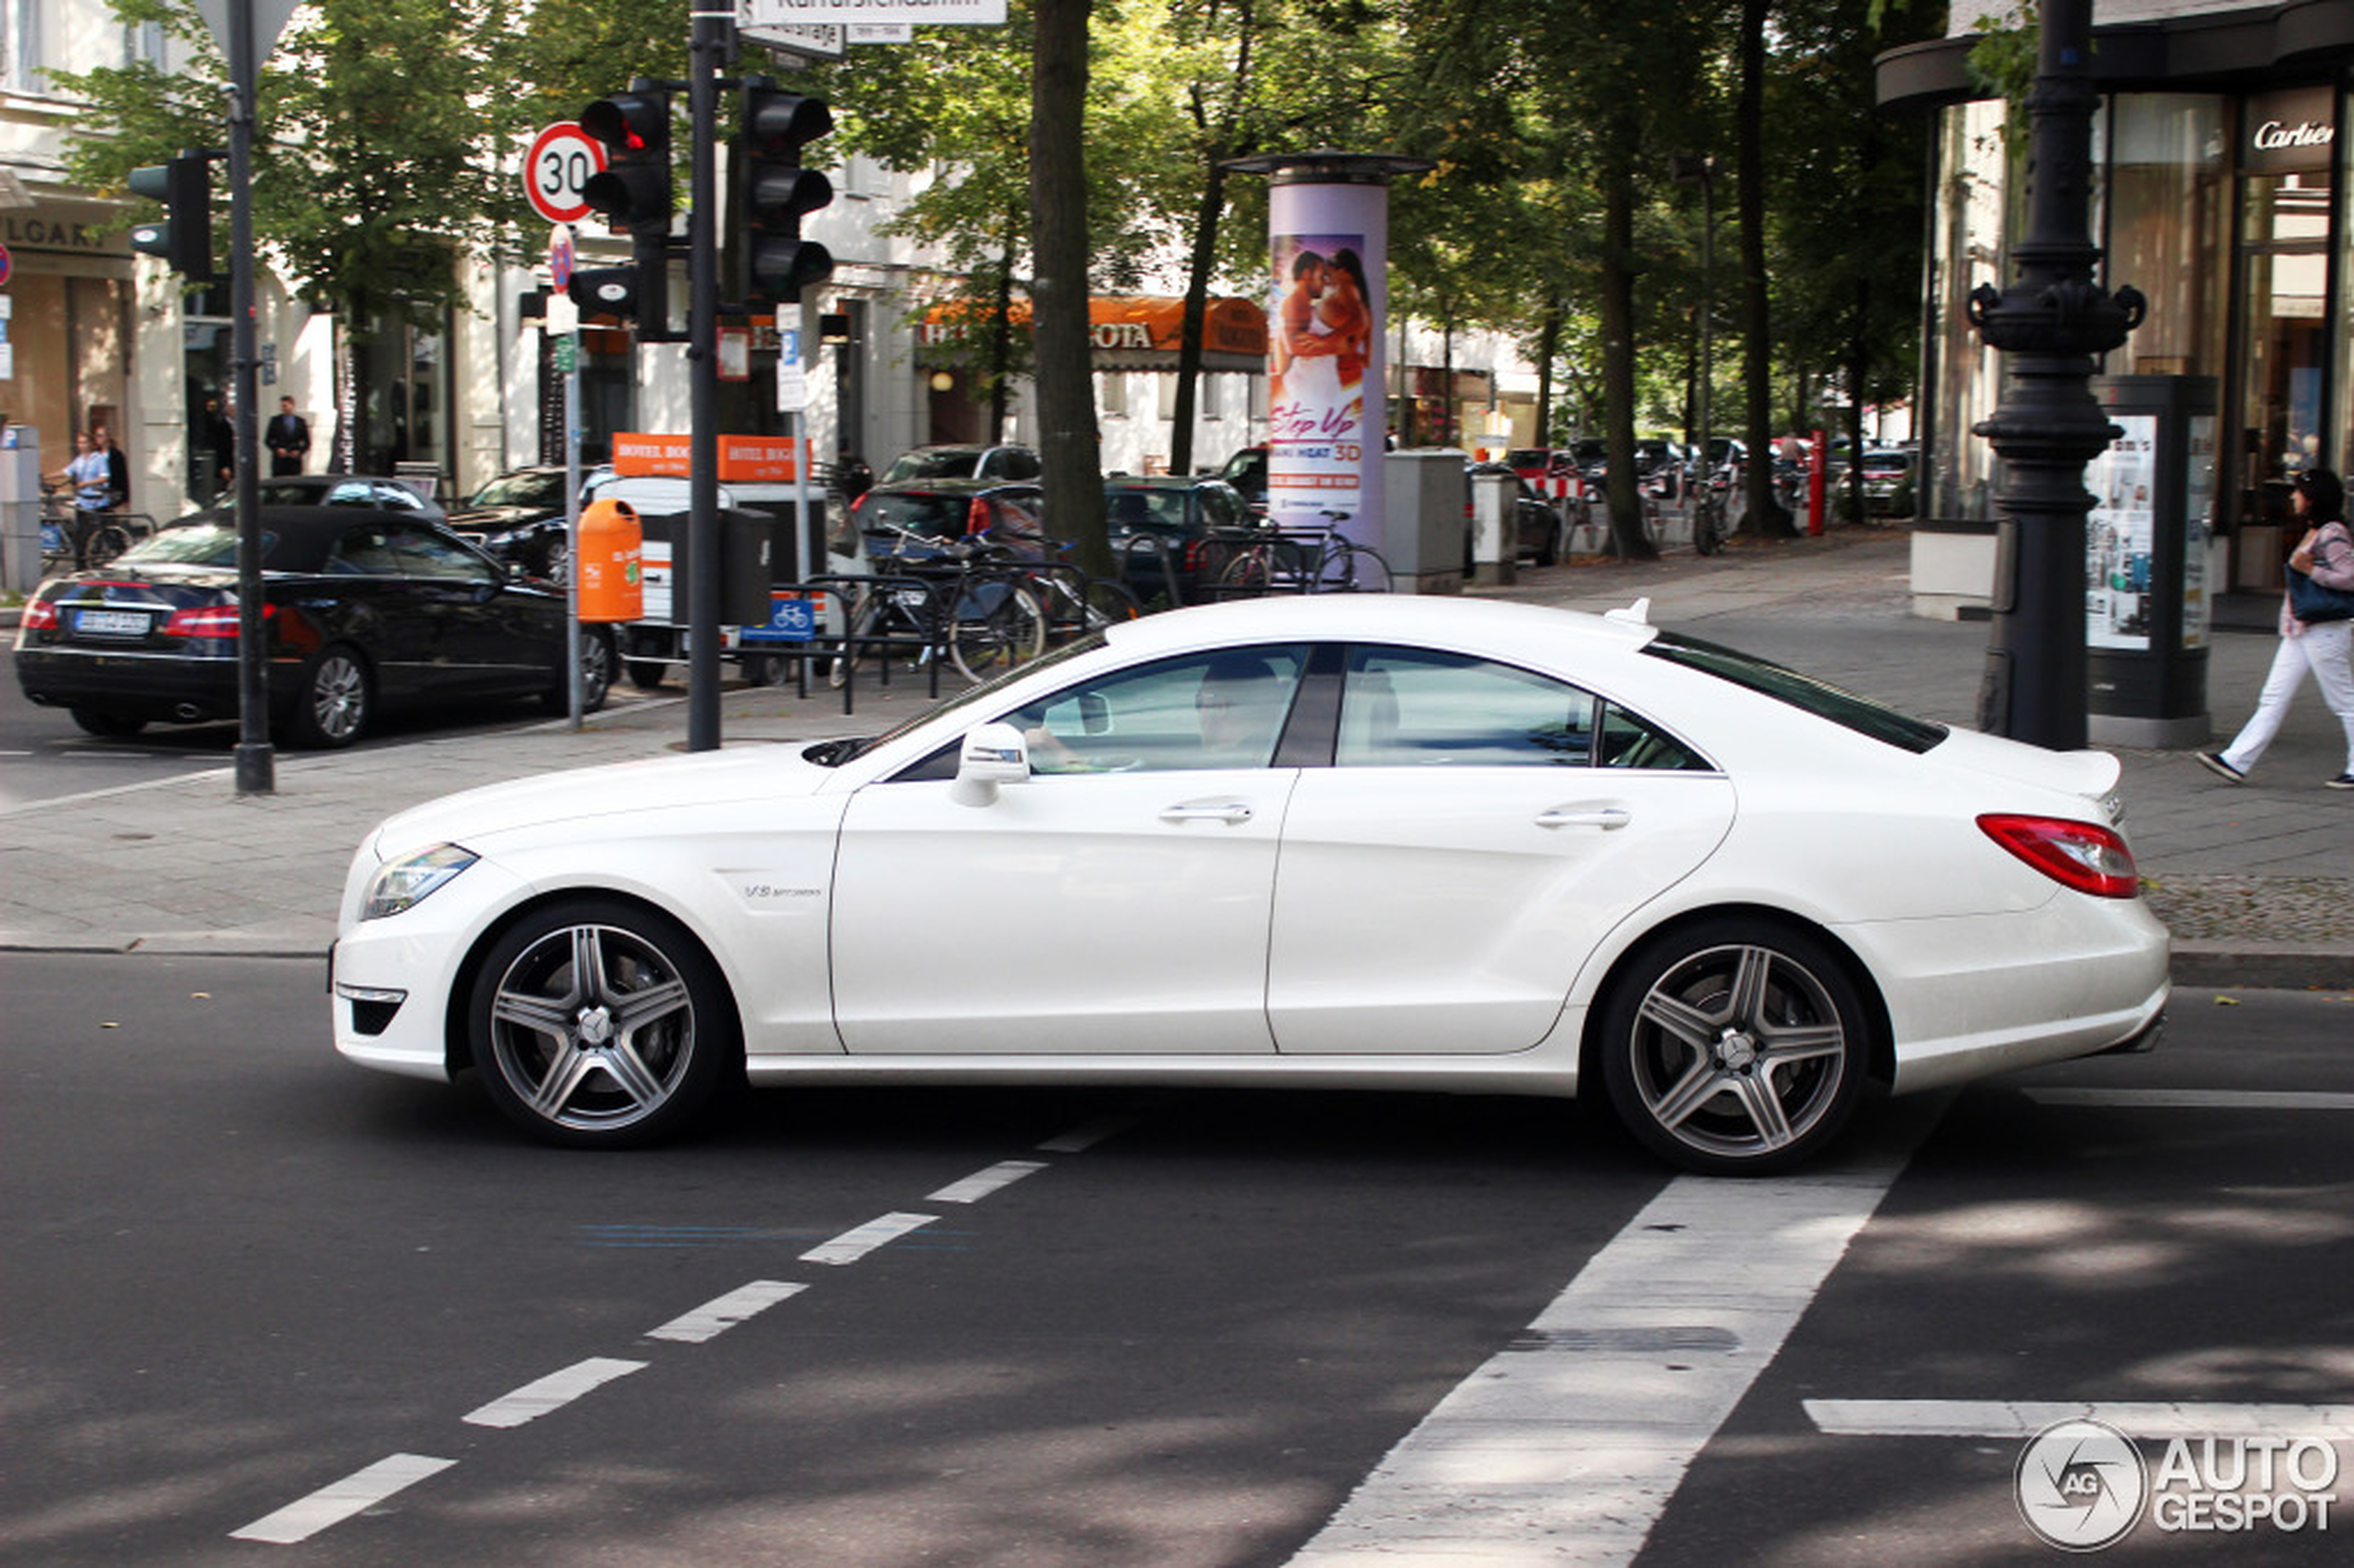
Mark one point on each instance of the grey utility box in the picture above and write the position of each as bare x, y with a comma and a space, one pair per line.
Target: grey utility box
1426, 533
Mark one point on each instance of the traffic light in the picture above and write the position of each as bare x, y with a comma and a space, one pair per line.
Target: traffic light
633, 192
776, 192
184, 237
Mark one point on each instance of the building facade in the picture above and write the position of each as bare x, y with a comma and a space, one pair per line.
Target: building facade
2221, 192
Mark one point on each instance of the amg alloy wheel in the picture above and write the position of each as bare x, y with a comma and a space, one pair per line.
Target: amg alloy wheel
1735, 1049
597, 1025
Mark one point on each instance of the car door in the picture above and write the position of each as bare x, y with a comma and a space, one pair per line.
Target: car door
1481, 828
1116, 902
484, 635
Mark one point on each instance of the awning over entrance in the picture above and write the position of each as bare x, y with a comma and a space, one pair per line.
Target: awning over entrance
1138, 332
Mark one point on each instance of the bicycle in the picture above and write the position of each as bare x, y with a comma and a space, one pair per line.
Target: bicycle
1075, 603
1319, 561
1708, 521
963, 599
74, 538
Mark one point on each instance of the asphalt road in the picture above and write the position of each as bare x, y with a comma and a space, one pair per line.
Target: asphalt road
1180, 1328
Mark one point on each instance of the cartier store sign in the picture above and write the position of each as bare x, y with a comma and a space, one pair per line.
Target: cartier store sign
2292, 129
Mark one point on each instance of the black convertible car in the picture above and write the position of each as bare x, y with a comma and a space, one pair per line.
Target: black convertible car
363, 610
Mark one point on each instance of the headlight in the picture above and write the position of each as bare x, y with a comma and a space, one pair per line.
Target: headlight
403, 884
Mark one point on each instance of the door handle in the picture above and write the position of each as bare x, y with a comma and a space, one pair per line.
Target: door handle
1608, 818
1231, 812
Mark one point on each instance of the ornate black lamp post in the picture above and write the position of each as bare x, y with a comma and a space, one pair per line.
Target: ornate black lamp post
2049, 323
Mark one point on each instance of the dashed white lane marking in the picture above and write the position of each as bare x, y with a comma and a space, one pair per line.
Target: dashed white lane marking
855, 1242
718, 1315
2024, 1418
981, 1184
553, 1391
2195, 1099
1081, 1139
339, 1500
1566, 1446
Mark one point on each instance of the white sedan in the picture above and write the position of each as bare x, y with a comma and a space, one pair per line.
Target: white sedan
1344, 841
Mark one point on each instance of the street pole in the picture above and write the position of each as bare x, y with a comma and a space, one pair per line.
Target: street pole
714, 39
1702, 166
2048, 325
255, 768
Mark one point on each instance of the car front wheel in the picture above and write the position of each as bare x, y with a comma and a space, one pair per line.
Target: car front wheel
597, 1024
1735, 1049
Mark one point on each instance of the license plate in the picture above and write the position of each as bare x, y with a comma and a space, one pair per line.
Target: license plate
112, 623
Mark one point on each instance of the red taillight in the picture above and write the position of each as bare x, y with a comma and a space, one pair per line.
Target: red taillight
2082, 855
209, 621
41, 615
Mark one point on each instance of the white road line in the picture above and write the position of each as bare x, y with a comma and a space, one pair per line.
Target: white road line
1566, 1448
339, 1501
2195, 1099
716, 1317
852, 1244
552, 1392
979, 1185
1079, 1140
2024, 1418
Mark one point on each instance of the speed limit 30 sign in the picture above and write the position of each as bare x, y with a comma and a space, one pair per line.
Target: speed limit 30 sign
563, 156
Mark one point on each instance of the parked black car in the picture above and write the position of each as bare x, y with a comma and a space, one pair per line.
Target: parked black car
521, 516
1161, 527
1247, 472
969, 461
364, 610
349, 489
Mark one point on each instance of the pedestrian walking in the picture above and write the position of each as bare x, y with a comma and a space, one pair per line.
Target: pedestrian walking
219, 441
2314, 636
288, 438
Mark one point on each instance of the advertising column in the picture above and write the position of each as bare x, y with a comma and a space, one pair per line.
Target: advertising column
1328, 290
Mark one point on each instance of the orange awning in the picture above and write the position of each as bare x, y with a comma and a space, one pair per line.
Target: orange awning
1130, 332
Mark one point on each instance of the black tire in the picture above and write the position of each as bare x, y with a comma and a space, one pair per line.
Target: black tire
109, 726
104, 543
1011, 630
337, 700
1734, 1047
597, 660
625, 1053
645, 674
1109, 602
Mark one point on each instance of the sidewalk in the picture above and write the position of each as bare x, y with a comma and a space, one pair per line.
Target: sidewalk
2257, 880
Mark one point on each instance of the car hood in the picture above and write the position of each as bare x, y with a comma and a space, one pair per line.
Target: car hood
478, 818
2092, 775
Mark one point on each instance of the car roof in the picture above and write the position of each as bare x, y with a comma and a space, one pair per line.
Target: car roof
1161, 481
952, 484
1438, 620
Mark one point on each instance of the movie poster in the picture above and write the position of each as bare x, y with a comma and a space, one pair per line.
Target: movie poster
1327, 410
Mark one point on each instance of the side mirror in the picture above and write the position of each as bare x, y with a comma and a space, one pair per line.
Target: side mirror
990, 755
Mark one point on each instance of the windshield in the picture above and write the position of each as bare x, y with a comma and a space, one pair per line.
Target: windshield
521, 489
834, 753
940, 462
1820, 698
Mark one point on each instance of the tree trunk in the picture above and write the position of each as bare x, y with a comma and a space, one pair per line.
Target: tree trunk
1198, 268
1621, 142
1767, 517
1068, 448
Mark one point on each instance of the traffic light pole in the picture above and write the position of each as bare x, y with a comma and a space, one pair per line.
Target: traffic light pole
255, 765
714, 42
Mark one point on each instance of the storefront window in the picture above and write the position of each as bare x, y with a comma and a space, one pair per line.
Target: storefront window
2340, 456
2285, 344
1966, 378
2168, 227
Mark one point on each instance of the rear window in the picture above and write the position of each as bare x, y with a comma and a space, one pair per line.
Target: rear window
1802, 691
935, 517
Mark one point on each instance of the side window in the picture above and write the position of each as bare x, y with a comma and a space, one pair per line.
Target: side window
1204, 710
425, 553
363, 551
1412, 708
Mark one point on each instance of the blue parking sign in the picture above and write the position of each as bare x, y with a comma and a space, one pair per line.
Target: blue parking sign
791, 619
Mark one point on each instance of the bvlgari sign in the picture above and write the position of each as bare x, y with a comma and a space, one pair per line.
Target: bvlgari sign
2291, 130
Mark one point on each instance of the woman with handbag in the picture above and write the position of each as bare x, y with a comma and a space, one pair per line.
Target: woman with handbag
2317, 627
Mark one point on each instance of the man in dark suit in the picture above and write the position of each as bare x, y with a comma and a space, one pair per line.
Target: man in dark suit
288, 438
118, 468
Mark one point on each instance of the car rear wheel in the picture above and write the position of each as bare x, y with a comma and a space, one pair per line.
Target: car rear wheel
1734, 1048
597, 1024
336, 702
111, 727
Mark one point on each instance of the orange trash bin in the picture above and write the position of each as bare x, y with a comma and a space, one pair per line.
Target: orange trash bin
612, 570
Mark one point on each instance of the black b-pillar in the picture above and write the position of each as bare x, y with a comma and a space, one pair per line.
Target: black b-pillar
2048, 325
